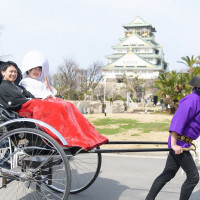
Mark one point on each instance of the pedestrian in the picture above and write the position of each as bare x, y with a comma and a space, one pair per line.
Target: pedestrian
162, 101
111, 101
184, 128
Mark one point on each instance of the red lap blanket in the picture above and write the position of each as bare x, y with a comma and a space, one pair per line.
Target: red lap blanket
66, 119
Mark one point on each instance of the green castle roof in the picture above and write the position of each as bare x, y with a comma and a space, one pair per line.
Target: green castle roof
138, 22
155, 66
148, 42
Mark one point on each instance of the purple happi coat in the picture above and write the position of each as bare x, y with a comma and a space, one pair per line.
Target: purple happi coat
186, 120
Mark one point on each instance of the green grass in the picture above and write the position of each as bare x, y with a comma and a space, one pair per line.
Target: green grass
123, 125
135, 134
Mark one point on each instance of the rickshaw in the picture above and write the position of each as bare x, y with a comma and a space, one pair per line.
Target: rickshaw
34, 166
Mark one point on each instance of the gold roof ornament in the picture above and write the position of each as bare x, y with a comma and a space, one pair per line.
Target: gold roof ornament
145, 34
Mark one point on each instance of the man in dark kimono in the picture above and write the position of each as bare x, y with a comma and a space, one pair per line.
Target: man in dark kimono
12, 96
184, 128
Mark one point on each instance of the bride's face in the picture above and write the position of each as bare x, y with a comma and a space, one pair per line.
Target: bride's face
35, 72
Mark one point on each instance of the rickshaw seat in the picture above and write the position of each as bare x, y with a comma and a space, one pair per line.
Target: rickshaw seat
6, 115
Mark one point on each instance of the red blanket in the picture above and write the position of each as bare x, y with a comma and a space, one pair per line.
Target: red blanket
66, 119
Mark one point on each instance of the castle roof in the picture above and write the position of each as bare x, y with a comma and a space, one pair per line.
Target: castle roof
134, 38
129, 60
138, 22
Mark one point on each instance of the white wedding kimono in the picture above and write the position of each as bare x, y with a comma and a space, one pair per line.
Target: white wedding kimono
37, 88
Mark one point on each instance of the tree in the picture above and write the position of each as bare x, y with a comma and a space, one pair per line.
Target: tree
175, 86
69, 75
73, 82
134, 85
94, 76
59, 84
198, 60
83, 81
189, 62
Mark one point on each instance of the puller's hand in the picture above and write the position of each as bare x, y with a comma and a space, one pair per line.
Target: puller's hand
177, 149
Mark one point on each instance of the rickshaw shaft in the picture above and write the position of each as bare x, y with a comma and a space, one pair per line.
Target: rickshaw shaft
135, 142
128, 150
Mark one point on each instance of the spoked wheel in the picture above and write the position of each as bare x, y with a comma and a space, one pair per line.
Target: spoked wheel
85, 168
31, 165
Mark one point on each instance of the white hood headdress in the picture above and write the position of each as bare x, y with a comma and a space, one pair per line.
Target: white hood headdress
35, 59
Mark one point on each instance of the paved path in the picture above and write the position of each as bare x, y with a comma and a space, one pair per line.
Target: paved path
126, 177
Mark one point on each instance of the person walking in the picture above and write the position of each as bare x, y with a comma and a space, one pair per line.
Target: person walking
184, 128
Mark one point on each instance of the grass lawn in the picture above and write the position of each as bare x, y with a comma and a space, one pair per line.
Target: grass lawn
109, 126
132, 127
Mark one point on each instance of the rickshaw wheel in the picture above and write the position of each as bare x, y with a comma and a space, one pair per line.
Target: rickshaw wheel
31, 162
85, 168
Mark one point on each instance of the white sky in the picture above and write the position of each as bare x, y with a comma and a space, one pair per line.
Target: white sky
86, 29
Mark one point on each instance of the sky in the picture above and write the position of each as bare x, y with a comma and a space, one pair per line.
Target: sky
85, 30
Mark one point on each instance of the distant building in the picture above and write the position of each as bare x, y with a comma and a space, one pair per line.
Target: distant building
137, 54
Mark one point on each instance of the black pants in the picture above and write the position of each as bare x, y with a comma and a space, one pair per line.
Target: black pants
174, 162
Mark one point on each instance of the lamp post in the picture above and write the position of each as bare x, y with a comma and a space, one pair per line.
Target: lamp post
104, 96
104, 92
86, 84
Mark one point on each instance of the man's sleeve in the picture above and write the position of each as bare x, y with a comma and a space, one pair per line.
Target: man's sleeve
185, 112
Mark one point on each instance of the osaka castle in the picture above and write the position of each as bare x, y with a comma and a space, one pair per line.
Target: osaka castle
136, 54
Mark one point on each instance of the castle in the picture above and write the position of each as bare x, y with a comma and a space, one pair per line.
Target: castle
136, 55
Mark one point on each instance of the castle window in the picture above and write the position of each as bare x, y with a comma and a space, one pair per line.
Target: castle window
120, 80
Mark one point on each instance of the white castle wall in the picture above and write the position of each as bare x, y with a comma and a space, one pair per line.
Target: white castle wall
144, 74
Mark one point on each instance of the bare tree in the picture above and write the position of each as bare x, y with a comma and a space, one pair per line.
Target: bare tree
89, 78
82, 80
135, 85
58, 82
94, 74
72, 81
69, 75
99, 91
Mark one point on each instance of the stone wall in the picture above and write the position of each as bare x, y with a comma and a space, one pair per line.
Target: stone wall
118, 106
88, 107
93, 107
113, 88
